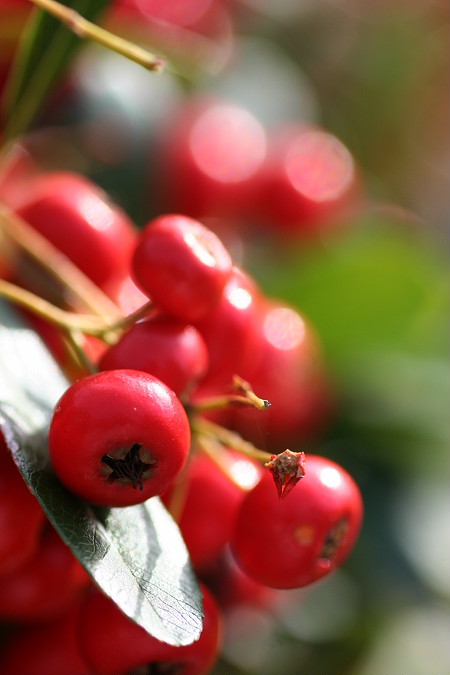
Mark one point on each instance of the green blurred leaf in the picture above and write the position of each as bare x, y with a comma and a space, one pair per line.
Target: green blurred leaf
45, 51
135, 554
378, 300
396, 406
380, 287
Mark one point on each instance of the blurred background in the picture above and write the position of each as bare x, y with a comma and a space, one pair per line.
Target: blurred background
373, 284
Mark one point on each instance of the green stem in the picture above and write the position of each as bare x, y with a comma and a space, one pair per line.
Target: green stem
81, 289
85, 323
203, 427
75, 344
218, 455
87, 30
130, 319
220, 402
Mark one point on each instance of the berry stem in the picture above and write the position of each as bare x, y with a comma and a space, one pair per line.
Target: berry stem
245, 396
71, 322
129, 319
74, 340
203, 427
87, 30
81, 291
217, 453
85, 323
220, 402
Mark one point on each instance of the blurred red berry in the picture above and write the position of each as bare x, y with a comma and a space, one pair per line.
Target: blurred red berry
21, 516
115, 645
76, 216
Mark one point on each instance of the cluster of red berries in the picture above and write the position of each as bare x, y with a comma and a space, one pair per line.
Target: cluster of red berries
150, 422
217, 159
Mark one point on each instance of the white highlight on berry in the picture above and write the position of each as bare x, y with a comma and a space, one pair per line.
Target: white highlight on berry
330, 477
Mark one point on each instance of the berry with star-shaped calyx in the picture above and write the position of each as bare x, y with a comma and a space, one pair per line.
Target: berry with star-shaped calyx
291, 542
118, 437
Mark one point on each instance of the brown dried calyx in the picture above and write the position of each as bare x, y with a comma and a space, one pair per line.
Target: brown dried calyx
129, 468
287, 469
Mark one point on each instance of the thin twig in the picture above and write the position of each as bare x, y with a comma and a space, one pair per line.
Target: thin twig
216, 452
81, 288
86, 323
229, 438
75, 343
87, 30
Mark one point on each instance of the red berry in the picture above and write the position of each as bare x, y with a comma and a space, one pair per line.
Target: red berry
171, 350
288, 370
50, 648
210, 157
230, 331
291, 542
182, 266
309, 182
21, 517
209, 503
115, 645
118, 437
76, 217
46, 585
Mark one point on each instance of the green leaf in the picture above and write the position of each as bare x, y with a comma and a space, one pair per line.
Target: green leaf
380, 287
45, 51
135, 554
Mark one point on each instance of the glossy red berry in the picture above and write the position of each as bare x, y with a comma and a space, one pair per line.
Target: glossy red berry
182, 266
21, 516
171, 350
115, 645
118, 437
76, 216
291, 542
